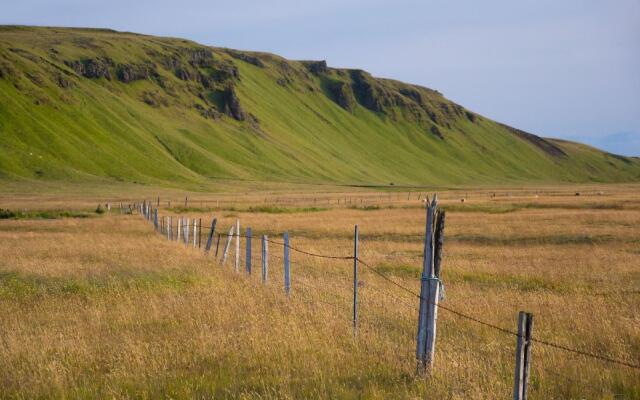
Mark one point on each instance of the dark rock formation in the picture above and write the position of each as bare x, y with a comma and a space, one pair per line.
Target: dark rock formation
413, 94
93, 68
231, 104
470, 116
182, 74
134, 72
316, 67
200, 57
435, 131
366, 91
340, 92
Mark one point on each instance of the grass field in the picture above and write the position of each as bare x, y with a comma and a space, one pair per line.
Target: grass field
99, 305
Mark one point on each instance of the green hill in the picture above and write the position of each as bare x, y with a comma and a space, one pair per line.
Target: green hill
89, 105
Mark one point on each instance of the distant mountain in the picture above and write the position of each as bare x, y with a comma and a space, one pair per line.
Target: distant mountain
89, 104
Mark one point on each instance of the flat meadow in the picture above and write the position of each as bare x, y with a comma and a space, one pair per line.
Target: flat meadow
102, 305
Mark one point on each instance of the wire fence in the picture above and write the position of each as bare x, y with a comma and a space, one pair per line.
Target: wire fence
310, 288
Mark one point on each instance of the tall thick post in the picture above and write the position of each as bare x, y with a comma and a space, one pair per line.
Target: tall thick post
179, 228
428, 307
265, 258
355, 280
247, 261
287, 267
523, 355
211, 233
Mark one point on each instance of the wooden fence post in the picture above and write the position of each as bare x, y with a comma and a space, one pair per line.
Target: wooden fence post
199, 233
237, 234
168, 228
186, 230
265, 260
207, 247
217, 245
179, 228
287, 267
428, 298
155, 218
355, 280
195, 233
523, 355
227, 244
186, 202
247, 261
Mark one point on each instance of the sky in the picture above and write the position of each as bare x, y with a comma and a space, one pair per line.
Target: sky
567, 69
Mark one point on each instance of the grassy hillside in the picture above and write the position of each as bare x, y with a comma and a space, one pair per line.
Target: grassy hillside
98, 105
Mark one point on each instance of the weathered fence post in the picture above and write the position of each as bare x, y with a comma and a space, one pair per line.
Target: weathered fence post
186, 202
429, 295
217, 245
523, 355
227, 244
155, 218
265, 260
237, 233
287, 267
179, 228
207, 247
168, 228
355, 280
199, 233
185, 230
247, 261
195, 233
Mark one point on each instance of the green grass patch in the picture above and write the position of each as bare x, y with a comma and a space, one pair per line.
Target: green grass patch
49, 214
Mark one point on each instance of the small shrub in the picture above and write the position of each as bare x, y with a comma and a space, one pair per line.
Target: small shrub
6, 214
99, 209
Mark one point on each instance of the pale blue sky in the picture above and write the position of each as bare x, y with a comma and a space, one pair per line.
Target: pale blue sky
567, 68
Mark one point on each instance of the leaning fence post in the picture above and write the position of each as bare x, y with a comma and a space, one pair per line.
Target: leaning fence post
237, 233
225, 253
210, 238
355, 280
523, 355
265, 260
287, 267
247, 261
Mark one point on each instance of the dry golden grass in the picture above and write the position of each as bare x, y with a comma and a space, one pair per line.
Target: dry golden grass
106, 307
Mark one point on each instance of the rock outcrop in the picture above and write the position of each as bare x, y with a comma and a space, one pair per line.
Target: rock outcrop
93, 68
